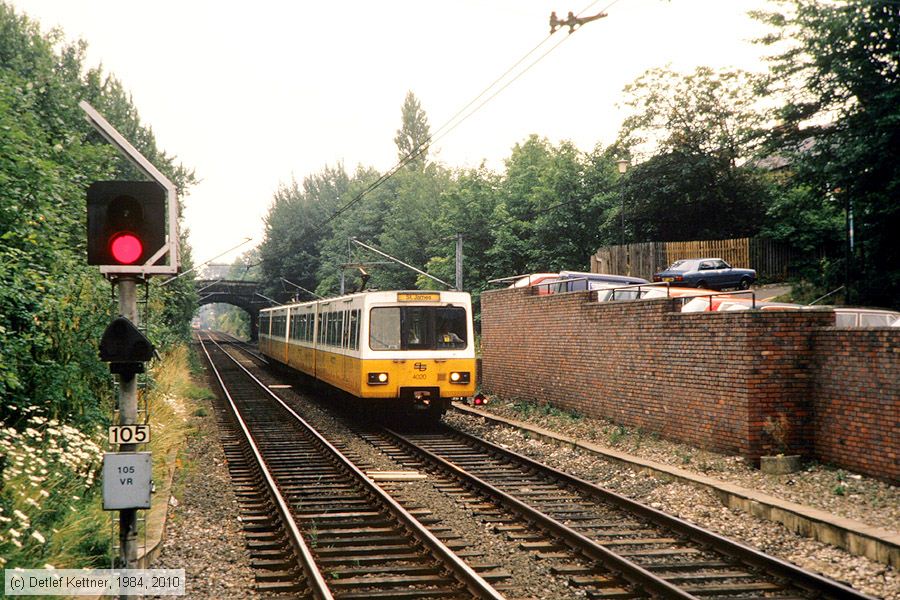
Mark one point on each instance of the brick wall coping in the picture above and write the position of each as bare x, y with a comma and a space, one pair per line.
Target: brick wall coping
854, 536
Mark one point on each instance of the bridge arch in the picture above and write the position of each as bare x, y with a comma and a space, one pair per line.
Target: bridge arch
243, 294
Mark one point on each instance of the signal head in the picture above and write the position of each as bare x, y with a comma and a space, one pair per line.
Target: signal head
126, 222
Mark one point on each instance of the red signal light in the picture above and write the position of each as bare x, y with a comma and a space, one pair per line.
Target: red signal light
479, 399
126, 248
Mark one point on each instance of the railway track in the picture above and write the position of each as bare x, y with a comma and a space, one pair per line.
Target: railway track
316, 525
604, 545
610, 546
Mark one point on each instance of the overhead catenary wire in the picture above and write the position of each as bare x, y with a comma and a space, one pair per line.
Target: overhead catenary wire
461, 116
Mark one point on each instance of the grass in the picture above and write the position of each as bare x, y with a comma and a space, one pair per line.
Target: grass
529, 408
51, 505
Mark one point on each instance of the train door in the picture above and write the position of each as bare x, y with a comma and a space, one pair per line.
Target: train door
350, 349
317, 346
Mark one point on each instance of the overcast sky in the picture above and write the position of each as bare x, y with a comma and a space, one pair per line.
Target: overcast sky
253, 94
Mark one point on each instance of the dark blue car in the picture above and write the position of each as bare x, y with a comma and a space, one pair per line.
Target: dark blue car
708, 273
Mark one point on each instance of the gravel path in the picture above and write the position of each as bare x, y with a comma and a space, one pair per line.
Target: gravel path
700, 506
203, 534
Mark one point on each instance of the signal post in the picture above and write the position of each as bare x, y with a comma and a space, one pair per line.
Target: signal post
132, 235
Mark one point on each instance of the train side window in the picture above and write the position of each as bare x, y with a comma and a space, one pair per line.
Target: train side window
345, 338
335, 324
322, 320
354, 329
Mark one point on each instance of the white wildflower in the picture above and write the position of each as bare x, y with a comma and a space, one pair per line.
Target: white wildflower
44, 493
49, 567
36, 535
16, 543
14, 533
22, 516
32, 502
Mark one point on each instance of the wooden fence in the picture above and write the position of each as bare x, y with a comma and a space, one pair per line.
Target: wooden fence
770, 259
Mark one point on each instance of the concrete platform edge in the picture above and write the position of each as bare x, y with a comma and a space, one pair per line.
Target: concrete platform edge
857, 538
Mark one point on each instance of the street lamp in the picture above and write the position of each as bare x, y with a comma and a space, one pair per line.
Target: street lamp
622, 165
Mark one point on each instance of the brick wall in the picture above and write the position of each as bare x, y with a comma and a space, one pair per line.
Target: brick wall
745, 382
857, 399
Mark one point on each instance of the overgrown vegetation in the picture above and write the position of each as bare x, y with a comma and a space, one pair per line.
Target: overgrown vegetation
54, 391
50, 504
715, 154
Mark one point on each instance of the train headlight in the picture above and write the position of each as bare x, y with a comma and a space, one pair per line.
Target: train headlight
460, 377
378, 378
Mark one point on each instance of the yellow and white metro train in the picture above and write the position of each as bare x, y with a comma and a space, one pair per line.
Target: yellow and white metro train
412, 349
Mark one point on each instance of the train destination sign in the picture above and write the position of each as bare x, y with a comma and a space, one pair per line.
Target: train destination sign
418, 297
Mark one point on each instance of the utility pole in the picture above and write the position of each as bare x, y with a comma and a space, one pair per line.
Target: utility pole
459, 262
398, 261
128, 405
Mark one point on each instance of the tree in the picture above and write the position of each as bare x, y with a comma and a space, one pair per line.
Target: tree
698, 130
53, 307
836, 69
467, 208
297, 225
414, 135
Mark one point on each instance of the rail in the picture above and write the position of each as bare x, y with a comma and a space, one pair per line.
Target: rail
475, 584
314, 579
462, 454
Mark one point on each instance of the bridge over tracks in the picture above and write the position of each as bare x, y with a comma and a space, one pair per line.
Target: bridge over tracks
243, 294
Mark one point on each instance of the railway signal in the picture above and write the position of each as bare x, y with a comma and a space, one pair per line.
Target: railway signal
126, 222
125, 348
132, 235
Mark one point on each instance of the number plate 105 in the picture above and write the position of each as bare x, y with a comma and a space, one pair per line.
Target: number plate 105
129, 434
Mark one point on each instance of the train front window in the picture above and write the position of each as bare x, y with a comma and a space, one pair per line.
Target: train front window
418, 328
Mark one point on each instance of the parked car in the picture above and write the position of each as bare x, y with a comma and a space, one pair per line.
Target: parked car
614, 291
709, 273
642, 291
845, 316
672, 292
572, 281
533, 279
